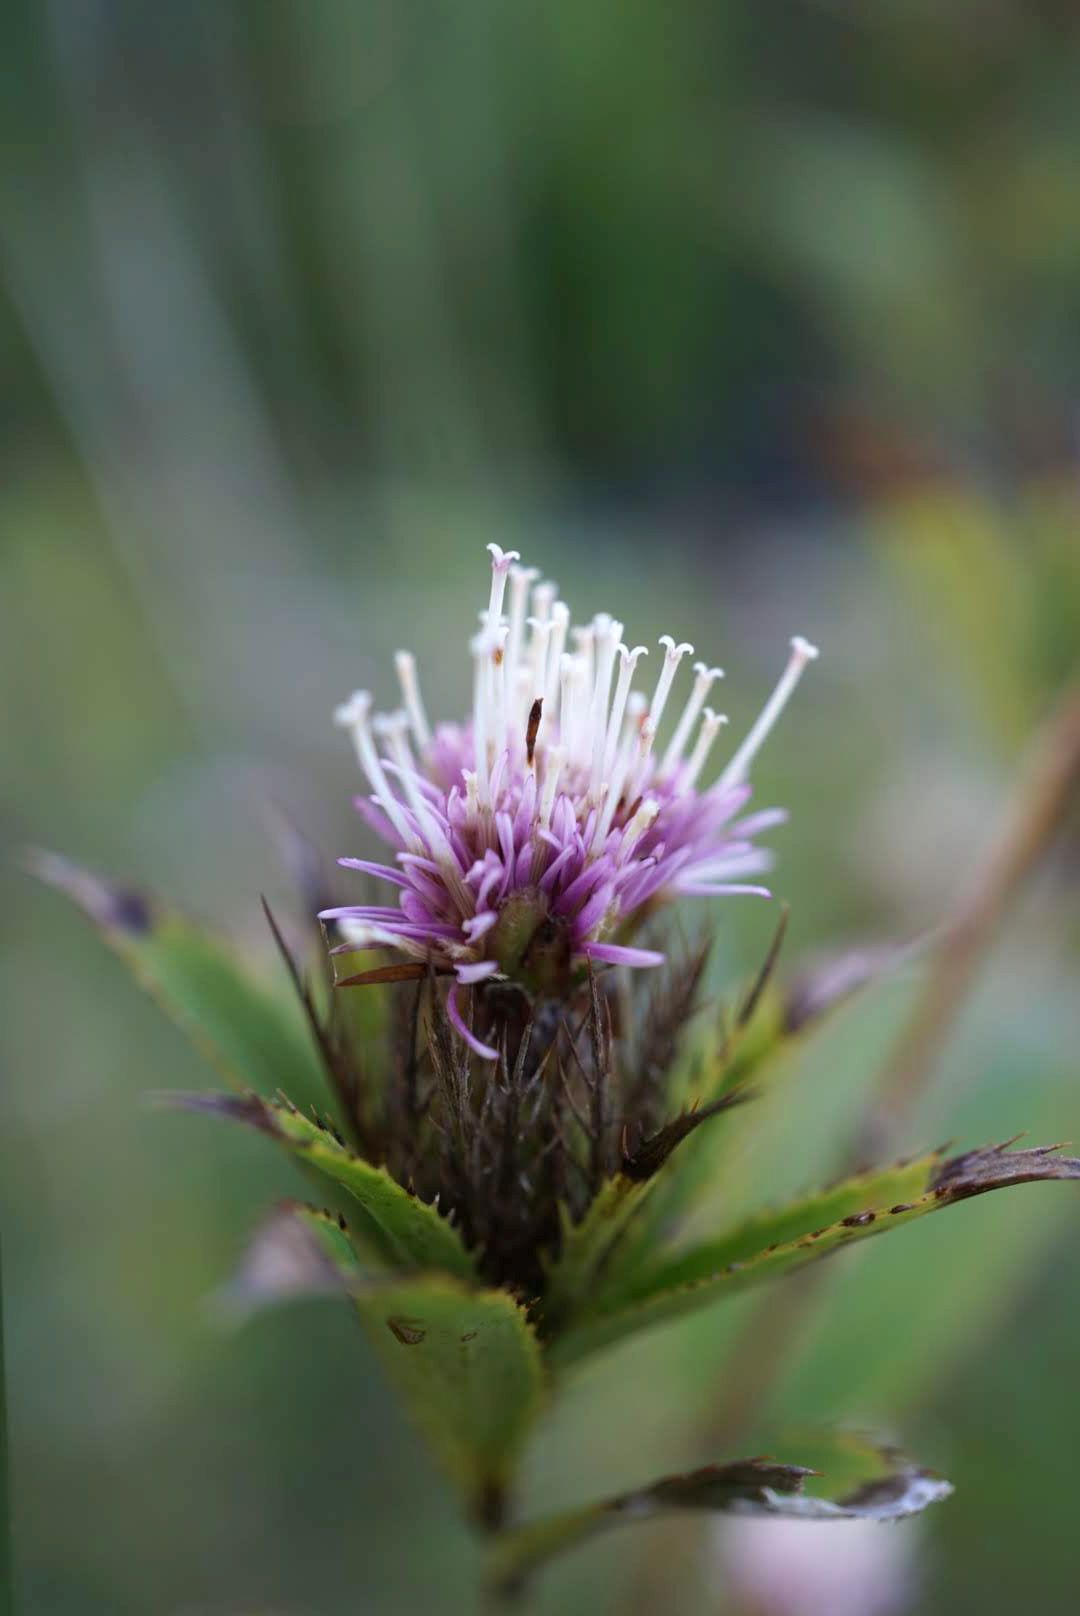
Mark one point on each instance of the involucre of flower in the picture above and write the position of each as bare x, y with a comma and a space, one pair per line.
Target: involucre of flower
536, 836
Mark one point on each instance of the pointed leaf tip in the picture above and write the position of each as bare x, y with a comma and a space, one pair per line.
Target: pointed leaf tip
857, 1480
113, 908
780, 1240
254, 1035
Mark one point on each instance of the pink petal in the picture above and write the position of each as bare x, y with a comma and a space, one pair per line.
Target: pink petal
382, 872
468, 974
479, 924
615, 954
703, 889
457, 1021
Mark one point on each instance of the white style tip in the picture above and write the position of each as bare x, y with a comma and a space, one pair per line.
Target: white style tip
348, 714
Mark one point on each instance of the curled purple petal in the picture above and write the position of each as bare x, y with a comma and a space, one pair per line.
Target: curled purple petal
382, 872
461, 1027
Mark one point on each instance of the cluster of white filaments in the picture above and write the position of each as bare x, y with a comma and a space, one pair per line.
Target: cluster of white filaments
558, 787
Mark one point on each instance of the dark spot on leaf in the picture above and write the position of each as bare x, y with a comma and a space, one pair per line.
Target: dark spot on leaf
407, 1331
470, 1335
902, 1206
858, 1220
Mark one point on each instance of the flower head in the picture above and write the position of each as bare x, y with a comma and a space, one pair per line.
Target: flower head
533, 838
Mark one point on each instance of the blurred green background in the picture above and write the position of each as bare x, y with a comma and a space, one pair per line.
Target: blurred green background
741, 319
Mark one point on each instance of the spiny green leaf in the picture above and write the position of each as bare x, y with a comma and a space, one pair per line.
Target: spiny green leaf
416, 1234
465, 1363
467, 1366
586, 1245
254, 1037
739, 1061
693, 1281
774, 1226
856, 1481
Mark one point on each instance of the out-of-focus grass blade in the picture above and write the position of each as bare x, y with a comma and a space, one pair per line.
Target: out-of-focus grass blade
7, 1604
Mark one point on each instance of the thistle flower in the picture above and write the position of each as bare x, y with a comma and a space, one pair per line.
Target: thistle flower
505, 1210
537, 836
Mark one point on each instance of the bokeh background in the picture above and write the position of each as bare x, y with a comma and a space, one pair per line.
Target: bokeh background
742, 318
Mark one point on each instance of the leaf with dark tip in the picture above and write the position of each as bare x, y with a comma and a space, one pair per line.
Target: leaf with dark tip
647, 1158
995, 1166
748, 1059
413, 1230
773, 1226
255, 1037
710, 1272
822, 987
588, 1247
851, 1480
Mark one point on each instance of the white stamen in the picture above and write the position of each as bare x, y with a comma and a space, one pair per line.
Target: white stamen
554, 761
711, 725
543, 598
362, 936
480, 646
629, 661
802, 652
393, 728
472, 795
520, 580
501, 562
353, 715
673, 655
497, 675
584, 637
608, 636
637, 827
405, 663
539, 640
519, 709
703, 681
626, 759
574, 680
560, 623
